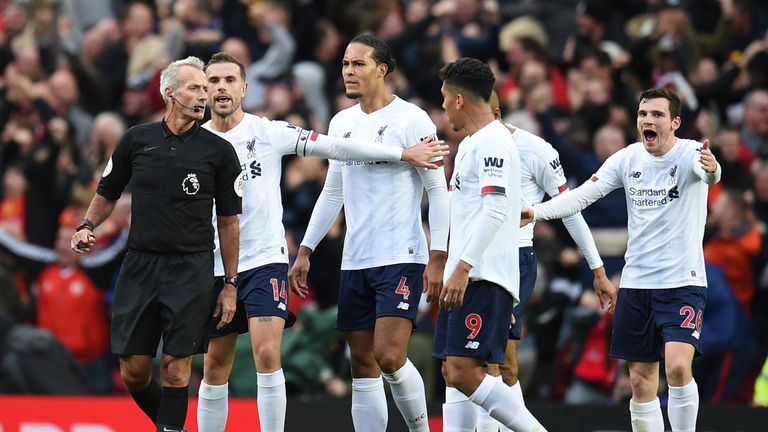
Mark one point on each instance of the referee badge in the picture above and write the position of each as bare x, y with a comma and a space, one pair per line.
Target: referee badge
191, 184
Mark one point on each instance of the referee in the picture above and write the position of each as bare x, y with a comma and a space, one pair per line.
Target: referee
176, 169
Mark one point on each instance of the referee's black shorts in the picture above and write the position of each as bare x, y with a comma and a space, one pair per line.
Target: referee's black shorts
163, 295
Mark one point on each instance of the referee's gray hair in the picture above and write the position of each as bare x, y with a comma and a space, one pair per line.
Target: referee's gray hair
169, 77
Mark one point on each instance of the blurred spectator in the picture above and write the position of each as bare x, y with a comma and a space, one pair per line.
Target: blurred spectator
73, 309
64, 100
32, 361
733, 243
754, 131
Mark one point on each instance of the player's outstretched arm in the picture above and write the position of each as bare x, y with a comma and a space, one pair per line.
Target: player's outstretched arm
297, 276
427, 154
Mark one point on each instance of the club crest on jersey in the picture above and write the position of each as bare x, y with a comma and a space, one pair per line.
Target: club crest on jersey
190, 184
380, 138
251, 147
673, 176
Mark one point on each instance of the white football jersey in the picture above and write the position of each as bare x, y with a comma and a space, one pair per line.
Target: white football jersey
486, 162
667, 206
260, 144
540, 173
382, 200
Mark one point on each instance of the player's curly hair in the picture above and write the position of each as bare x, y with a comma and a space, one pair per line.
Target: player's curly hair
382, 53
471, 76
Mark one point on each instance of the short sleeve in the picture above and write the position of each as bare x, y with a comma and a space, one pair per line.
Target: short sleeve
229, 183
117, 172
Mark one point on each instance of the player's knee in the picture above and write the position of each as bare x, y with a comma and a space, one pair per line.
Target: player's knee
390, 362
267, 357
677, 371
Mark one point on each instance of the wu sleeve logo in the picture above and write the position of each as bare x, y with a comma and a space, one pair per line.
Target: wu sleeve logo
555, 164
493, 162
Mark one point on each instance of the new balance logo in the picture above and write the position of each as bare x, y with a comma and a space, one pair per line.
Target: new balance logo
281, 306
696, 334
635, 174
472, 345
348, 134
255, 169
493, 162
403, 306
673, 193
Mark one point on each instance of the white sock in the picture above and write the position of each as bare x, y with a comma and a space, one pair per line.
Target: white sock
369, 405
408, 392
499, 400
271, 401
646, 416
212, 407
683, 407
458, 412
485, 423
518, 393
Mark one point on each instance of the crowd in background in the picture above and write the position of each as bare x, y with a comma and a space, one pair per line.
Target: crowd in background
75, 74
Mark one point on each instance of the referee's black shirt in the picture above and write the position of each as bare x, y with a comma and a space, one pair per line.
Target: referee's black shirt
174, 182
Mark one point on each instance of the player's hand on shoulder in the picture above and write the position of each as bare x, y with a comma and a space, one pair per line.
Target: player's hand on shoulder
422, 153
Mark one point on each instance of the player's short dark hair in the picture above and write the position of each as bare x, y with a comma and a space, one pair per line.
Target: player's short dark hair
663, 93
470, 75
382, 53
225, 57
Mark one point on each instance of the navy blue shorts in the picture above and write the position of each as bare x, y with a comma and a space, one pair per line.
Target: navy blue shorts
386, 291
477, 328
528, 264
263, 292
647, 318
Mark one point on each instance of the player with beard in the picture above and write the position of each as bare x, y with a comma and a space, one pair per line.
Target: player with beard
262, 296
385, 249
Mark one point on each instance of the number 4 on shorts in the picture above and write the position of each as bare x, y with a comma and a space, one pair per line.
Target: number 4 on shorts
402, 289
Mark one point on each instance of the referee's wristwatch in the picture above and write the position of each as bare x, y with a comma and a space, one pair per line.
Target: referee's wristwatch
232, 280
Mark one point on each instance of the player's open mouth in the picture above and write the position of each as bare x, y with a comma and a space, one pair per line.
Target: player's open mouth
649, 136
222, 99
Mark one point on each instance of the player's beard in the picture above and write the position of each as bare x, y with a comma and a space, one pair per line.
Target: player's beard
230, 111
354, 94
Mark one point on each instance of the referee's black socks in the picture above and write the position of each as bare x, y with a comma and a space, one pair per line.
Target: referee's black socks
173, 409
149, 399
